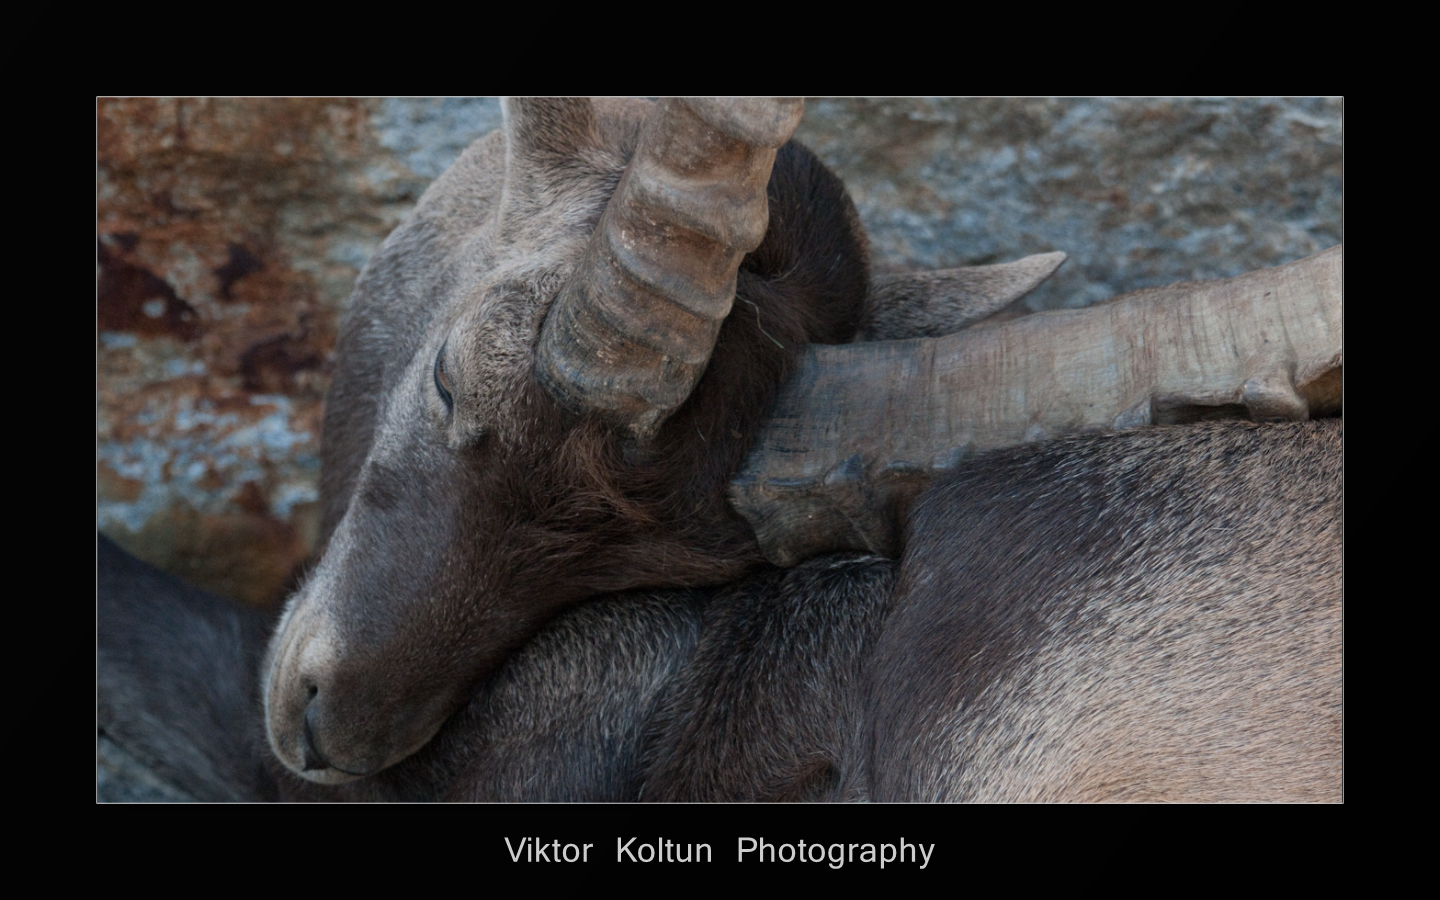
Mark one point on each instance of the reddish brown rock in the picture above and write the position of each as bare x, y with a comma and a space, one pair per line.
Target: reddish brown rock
229, 234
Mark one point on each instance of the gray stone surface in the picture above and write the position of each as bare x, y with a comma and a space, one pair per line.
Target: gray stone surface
428, 134
1138, 192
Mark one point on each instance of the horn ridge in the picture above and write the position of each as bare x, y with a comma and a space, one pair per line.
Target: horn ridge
758, 121
675, 323
612, 298
693, 203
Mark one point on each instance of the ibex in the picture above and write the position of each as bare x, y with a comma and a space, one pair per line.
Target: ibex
544, 394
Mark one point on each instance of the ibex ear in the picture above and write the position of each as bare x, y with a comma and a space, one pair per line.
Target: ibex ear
545, 138
544, 129
930, 304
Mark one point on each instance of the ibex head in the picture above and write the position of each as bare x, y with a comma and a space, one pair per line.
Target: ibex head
515, 424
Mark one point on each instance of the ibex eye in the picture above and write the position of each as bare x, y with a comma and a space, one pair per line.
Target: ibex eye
442, 381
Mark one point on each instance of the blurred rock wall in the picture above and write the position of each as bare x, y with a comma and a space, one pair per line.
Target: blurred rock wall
230, 231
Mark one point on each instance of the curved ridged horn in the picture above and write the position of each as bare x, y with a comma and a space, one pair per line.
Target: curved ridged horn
860, 429
632, 330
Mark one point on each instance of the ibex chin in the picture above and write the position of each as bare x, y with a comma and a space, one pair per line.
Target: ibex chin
610, 354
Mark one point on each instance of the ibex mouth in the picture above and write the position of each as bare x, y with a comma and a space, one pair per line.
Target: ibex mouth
324, 774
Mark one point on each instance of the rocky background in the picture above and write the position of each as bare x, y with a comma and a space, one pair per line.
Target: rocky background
230, 231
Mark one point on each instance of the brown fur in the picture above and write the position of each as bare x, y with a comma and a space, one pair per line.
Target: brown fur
771, 706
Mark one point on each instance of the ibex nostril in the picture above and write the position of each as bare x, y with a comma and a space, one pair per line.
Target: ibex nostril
311, 758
